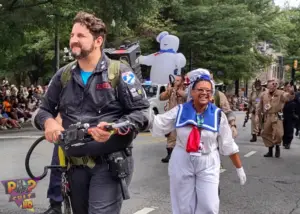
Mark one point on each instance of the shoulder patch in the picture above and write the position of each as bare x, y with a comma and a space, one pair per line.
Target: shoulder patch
128, 77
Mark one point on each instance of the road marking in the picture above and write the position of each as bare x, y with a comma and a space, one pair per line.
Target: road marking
145, 134
222, 170
249, 154
19, 137
145, 210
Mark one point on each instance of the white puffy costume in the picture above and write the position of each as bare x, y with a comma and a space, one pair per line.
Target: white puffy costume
194, 176
166, 61
192, 76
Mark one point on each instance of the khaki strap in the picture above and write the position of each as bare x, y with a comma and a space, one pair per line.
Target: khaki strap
83, 161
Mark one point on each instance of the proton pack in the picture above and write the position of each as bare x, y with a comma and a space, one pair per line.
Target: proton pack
128, 52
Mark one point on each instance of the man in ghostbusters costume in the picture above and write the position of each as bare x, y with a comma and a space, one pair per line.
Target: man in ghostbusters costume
270, 110
175, 96
254, 100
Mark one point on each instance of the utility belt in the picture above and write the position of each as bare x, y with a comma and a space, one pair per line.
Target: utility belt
117, 162
91, 161
278, 114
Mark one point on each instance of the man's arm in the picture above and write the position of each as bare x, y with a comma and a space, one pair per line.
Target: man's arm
259, 108
250, 102
224, 105
132, 97
287, 96
165, 95
48, 108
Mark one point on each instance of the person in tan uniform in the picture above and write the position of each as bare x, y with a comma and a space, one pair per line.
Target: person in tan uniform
270, 109
175, 95
221, 101
254, 100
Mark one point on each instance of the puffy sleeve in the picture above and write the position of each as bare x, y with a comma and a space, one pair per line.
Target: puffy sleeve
147, 60
227, 145
164, 123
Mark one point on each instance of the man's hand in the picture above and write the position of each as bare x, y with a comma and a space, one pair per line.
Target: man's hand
181, 93
52, 130
100, 134
169, 88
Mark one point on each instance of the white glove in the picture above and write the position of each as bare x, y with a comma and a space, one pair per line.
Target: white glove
242, 175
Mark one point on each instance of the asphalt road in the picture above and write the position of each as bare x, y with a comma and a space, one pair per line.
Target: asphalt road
272, 186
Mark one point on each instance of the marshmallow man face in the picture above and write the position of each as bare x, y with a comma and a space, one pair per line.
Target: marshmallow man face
169, 42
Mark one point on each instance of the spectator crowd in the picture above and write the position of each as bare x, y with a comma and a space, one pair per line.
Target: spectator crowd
17, 104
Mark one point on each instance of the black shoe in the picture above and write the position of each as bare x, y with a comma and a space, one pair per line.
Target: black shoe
277, 151
270, 153
287, 146
258, 134
254, 138
167, 158
53, 210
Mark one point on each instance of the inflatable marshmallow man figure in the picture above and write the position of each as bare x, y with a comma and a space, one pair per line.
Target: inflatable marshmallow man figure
166, 61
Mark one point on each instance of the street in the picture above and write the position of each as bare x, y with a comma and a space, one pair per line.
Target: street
272, 184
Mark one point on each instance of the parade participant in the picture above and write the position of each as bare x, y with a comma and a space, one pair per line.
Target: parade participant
194, 167
175, 95
254, 99
218, 98
290, 118
297, 101
166, 61
269, 110
93, 91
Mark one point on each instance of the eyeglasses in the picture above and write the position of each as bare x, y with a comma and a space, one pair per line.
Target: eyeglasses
203, 90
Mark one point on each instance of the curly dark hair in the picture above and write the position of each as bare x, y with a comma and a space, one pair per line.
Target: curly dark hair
95, 25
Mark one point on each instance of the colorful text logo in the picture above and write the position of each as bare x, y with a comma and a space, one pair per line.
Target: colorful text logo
20, 191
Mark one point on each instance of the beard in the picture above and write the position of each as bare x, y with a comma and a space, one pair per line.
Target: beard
83, 53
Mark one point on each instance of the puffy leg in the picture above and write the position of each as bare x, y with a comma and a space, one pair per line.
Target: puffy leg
207, 184
182, 182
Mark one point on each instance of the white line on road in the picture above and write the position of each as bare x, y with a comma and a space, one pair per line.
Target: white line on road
19, 137
145, 210
222, 170
249, 154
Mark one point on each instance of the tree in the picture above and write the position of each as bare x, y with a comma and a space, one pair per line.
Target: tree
218, 40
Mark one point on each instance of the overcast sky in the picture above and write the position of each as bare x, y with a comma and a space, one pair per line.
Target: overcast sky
293, 3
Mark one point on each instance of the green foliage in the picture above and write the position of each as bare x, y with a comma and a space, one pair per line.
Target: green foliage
222, 34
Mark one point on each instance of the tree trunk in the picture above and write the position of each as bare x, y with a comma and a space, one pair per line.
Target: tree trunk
237, 87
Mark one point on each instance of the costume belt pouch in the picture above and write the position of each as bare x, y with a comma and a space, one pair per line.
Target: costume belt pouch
89, 147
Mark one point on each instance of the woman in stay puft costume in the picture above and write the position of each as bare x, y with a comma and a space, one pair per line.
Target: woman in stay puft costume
194, 167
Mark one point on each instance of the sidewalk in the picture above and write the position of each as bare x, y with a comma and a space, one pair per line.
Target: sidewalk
26, 132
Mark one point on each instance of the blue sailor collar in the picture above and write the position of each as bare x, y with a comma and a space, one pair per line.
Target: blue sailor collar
187, 115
